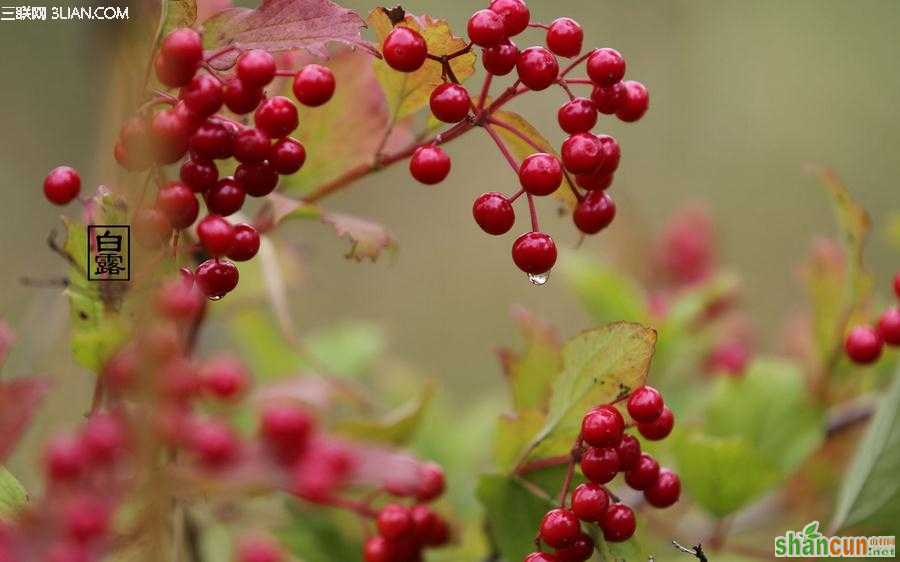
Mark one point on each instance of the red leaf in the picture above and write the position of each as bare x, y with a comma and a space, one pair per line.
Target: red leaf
18, 400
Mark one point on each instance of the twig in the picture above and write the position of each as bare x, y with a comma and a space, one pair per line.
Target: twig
696, 551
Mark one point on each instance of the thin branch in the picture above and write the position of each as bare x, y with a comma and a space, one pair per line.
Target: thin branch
512, 129
503, 148
696, 551
531, 209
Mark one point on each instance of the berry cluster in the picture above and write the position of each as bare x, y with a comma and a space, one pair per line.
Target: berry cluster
864, 344
190, 127
604, 450
403, 532
591, 158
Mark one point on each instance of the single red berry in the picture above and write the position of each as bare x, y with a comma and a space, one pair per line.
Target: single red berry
135, 136
605, 67
594, 213
216, 234
645, 404
608, 99
191, 119
618, 524
85, 518
104, 438
404, 49
65, 458
431, 483
600, 464
515, 15
564, 37
286, 429
169, 133
246, 243
541, 557
665, 491
199, 175
589, 502
129, 160
287, 156
577, 116
863, 345
424, 519
582, 153
151, 228
240, 97
659, 428
225, 198
594, 181
644, 474
635, 103
889, 326
500, 59
314, 85
581, 549
257, 180
439, 534
611, 152
602, 427
486, 28
178, 380
183, 47
258, 549
378, 549
256, 68
62, 185
537, 68
178, 299
224, 377
251, 146
394, 522
559, 528
494, 213
629, 451
540, 174
534, 253
429, 165
179, 204
277, 117
203, 95
450, 103
729, 357
214, 443
171, 74
211, 141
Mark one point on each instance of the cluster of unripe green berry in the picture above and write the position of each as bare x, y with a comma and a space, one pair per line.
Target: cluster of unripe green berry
864, 344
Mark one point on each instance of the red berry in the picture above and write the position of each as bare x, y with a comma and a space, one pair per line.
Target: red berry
600, 465
559, 528
635, 103
540, 174
257, 180
429, 165
179, 204
565, 37
394, 522
246, 243
439, 534
450, 103
863, 345
85, 518
191, 119
314, 85
203, 95
618, 524
629, 451
605, 67
537, 68
62, 185
581, 549
256, 68
211, 141
258, 549
608, 99
486, 28
216, 234
151, 228
251, 146
431, 484
659, 428
665, 491
404, 49
199, 175
515, 15
178, 299
378, 549
287, 156
240, 97
224, 377
589, 502
500, 59
277, 117
594, 213
169, 133
286, 429
494, 213
424, 519
577, 116
171, 74
534, 253
594, 181
65, 458
602, 427
183, 47
214, 443
582, 153
889, 326
644, 474
611, 152
728, 357
103, 438
541, 557
645, 404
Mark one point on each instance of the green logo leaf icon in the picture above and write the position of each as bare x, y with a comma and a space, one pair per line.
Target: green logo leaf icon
811, 529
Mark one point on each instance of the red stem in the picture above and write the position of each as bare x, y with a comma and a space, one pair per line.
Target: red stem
503, 148
575, 63
534, 218
485, 88
512, 129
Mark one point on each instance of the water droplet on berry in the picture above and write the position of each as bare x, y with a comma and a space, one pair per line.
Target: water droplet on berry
538, 279
215, 297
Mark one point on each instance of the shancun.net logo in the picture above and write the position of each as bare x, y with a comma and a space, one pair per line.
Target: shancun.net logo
810, 543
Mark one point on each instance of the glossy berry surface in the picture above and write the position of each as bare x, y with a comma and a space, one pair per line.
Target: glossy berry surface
314, 85
404, 49
581, 153
179, 204
594, 213
515, 15
246, 243
581, 549
429, 165
600, 464
645, 404
500, 59
537, 68
494, 213
486, 28
594, 181
863, 345
378, 549
634, 103
225, 198
889, 326
169, 134
394, 522
450, 103
559, 528
565, 37
540, 174
608, 99
659, 428
287, 156
277, 117
251, 146
256, 68
534, 253
602, 427
257, 180
212, 141
605, 67
182, 47
611, 153
644, 474
589, 502
216, 234
199, 175
577, 116
203, 95
216, 278
431, 483
239, 97
629, 451
62, 185
665, 491
618, 524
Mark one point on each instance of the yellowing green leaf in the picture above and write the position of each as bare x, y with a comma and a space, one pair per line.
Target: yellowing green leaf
12, 495
367, 239
514, 435
177, 13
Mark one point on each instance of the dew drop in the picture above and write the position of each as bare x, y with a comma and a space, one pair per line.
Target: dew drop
538, 279
215, 297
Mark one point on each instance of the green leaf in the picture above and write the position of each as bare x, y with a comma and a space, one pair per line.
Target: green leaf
722, 474
349, 348
811, 529
514, 435
870, 492
408, 92
600, 366
263, 347
530, 373
12, 495
397, 427
606, 293
513, 514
